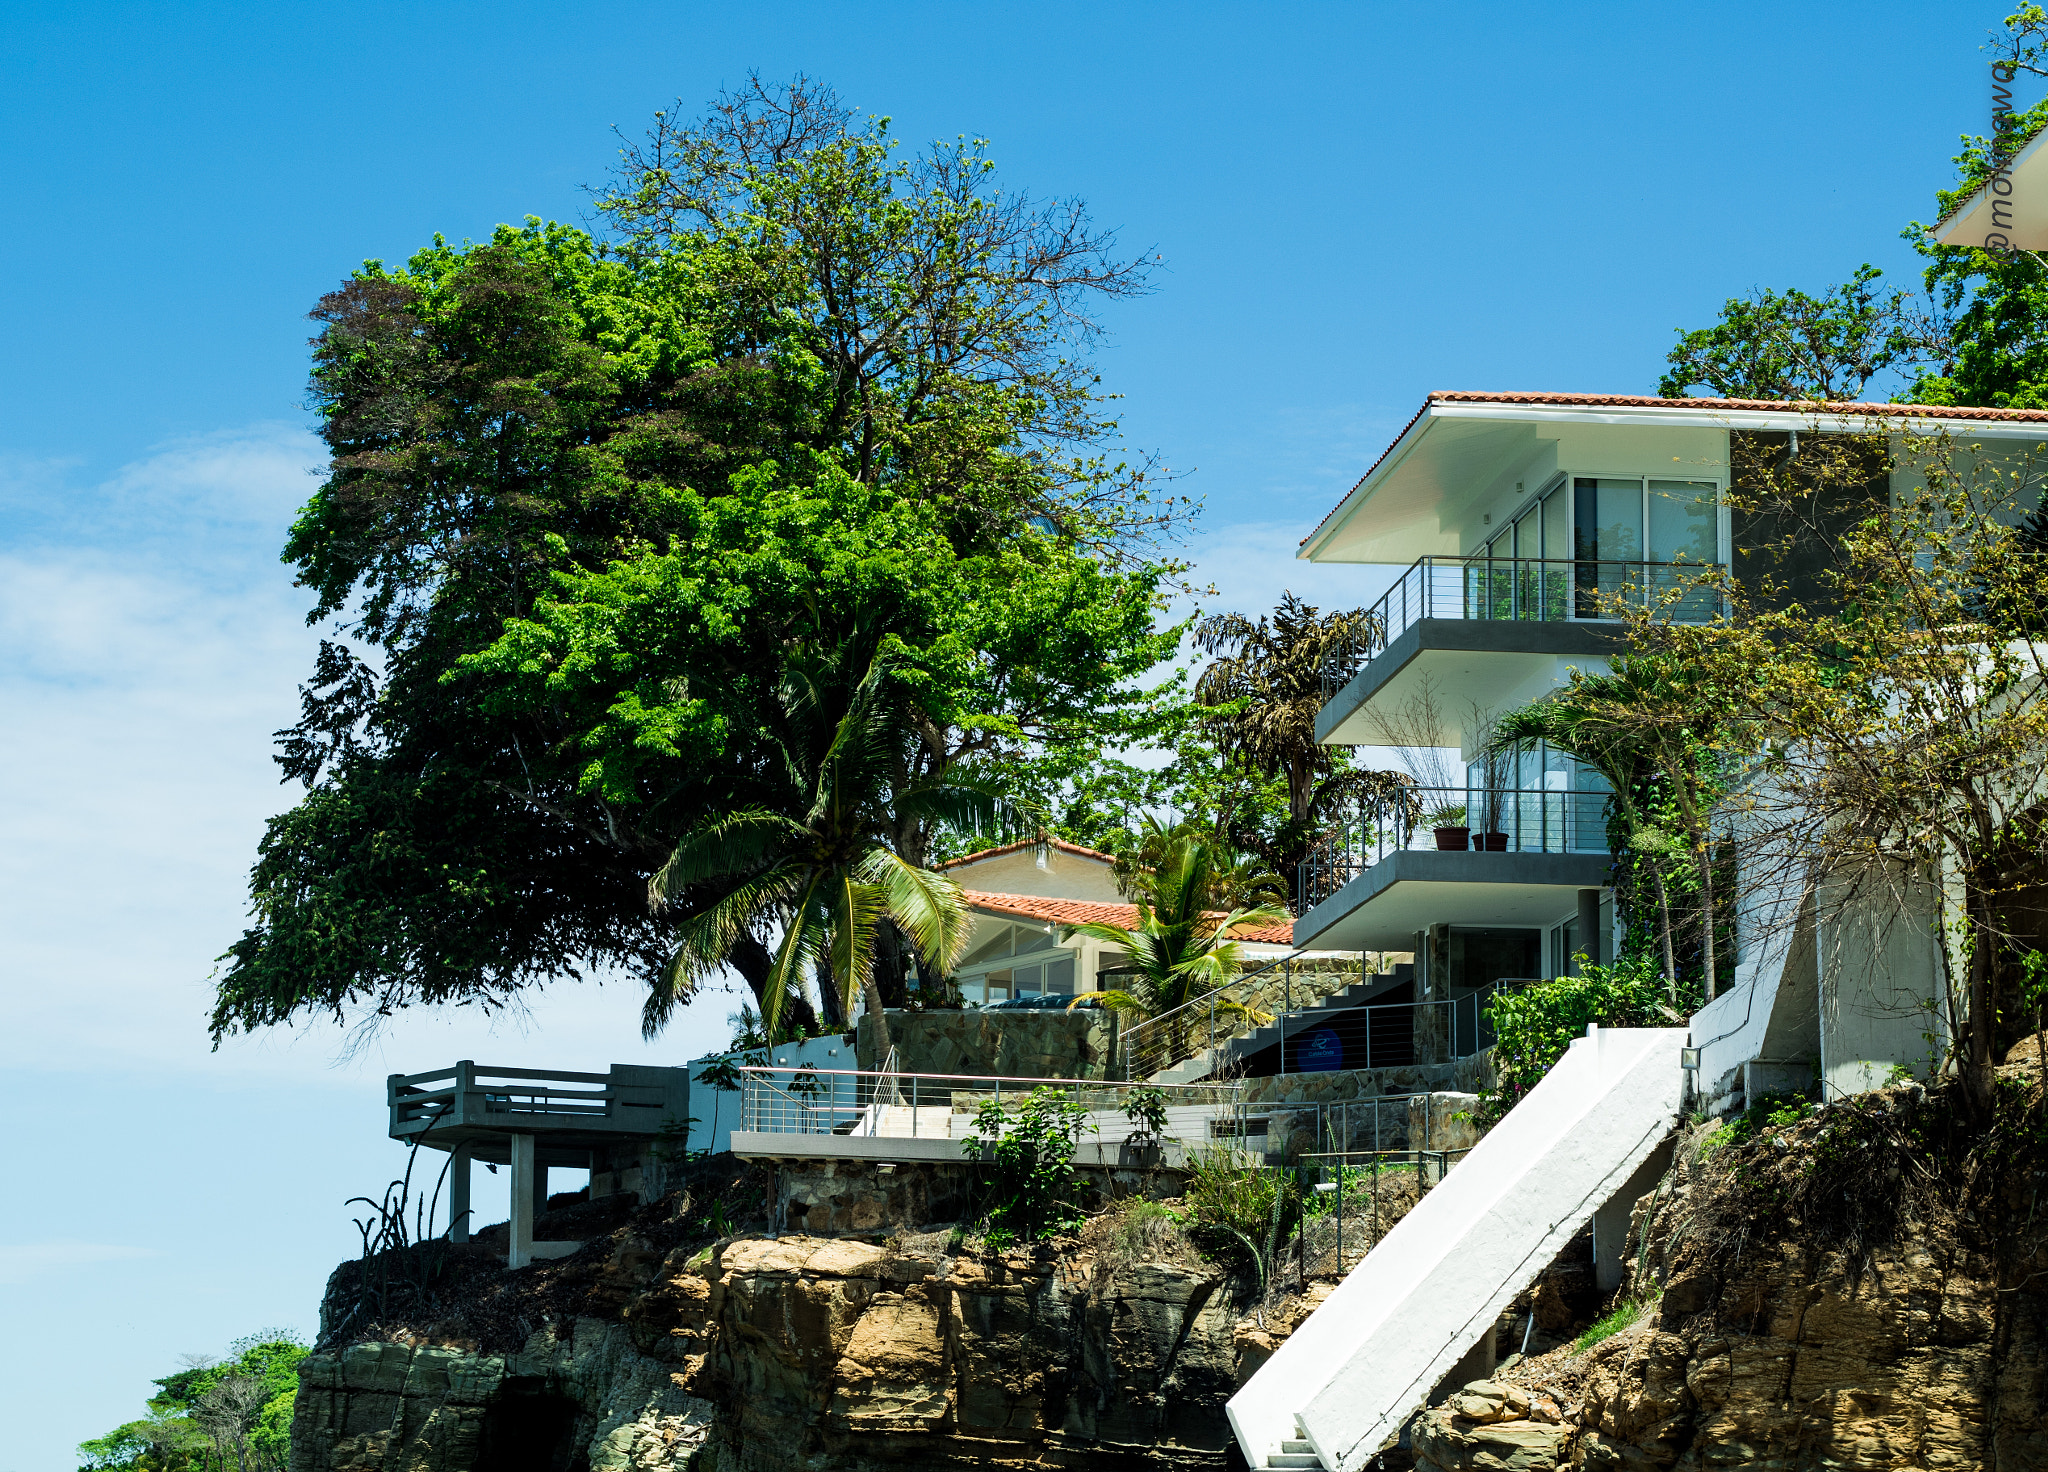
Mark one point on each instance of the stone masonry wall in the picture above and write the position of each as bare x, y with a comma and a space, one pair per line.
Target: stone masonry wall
1024, 1043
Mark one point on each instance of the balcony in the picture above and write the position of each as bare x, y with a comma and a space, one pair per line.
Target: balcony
1384, 871
1498, 623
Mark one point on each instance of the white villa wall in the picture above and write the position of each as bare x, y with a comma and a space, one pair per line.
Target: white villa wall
1437, 1282
1880, 983
1050, 873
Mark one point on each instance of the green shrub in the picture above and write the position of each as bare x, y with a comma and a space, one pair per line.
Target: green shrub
1032, 1190
1625, 1315
1534, 1025
1240, 1214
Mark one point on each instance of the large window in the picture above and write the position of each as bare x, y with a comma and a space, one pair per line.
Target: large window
1017, 961
1625, 528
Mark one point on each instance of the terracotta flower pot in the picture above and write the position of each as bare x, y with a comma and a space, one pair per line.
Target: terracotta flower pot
1452, 838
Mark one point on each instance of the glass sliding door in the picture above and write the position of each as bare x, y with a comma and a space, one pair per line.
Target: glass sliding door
1607, 515
1685, 528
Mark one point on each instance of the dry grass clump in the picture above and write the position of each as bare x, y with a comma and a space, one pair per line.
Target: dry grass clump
1138, 1231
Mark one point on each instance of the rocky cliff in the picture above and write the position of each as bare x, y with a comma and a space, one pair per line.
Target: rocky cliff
1863, 1286
830, 1353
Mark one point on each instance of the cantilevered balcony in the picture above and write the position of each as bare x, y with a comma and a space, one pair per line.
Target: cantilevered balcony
1385, 871
1483, 630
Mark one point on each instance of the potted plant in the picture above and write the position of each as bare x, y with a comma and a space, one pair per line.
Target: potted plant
1448, 824
1497, 763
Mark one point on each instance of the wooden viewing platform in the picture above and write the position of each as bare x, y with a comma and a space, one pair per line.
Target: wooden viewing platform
532, 1118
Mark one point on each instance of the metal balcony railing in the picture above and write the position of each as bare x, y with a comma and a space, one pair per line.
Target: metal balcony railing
935, 1106
1513, 588
1516, 820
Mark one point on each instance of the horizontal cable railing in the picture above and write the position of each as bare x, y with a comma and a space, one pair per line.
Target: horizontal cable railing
1535, 588
872, 1105
1516, 820
1241, 1005
1389, 1034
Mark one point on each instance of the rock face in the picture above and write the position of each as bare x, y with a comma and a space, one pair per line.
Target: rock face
833, 1354
582, 1398
1905, 1329
817, 1353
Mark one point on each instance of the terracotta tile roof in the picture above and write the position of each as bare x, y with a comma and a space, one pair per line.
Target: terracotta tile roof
1649, 401
1009, 848
1085, 912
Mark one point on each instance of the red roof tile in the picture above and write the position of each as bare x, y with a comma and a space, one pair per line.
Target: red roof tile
1009, 848
1085, 912
1647, 401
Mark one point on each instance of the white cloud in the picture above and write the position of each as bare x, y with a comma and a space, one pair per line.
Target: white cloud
28, 1262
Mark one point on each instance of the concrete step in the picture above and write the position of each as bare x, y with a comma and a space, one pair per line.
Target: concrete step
1297, 1444
1294, 1459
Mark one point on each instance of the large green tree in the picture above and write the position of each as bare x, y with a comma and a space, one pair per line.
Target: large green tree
586, 494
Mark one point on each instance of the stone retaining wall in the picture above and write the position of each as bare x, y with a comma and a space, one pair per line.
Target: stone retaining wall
1024, 1043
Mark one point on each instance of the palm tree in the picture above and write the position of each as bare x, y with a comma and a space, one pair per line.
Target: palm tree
1180, 948
1266, 678
820, 868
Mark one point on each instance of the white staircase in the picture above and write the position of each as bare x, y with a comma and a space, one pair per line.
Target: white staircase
1364, 1361
1295, 1451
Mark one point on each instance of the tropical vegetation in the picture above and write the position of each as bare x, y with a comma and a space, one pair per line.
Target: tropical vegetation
594, 498
228, 1415
1181, 945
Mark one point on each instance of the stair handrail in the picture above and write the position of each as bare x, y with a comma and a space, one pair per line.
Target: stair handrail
1203, 1008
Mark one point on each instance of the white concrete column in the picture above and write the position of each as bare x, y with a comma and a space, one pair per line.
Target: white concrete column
458, 1194
1613, 1247
520, 1252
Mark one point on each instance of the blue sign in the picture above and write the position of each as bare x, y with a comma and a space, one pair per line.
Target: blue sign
1321, 1051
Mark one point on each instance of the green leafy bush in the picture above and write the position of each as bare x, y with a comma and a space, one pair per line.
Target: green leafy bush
1035, 1184
1534, 1025
233, 1415
1240, 1214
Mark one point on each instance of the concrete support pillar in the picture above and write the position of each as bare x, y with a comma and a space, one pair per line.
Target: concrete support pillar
1433, 986
1586, 933
1613, 1247
520, 1251
458, 1194
540, 1187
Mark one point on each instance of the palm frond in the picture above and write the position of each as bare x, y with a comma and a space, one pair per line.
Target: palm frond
926, 906
731, 843
803, 941
706, 939
856, 909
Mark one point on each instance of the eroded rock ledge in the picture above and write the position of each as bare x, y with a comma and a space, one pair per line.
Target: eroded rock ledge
820, 1353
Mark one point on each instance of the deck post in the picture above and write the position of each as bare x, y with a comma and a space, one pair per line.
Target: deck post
520, 1229
458, 1194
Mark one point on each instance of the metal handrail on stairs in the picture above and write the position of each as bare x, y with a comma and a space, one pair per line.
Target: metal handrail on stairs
1198, 1026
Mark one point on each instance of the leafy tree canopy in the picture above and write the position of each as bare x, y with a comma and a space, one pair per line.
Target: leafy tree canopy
587, 493
234, 1413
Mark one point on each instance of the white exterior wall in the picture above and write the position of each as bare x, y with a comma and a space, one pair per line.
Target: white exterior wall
1051, 873
1880, 985
1434, 1286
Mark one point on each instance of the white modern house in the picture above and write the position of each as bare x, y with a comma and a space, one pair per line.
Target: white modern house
1510, 514
1516, 519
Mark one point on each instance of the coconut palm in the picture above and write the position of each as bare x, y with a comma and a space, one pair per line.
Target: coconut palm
1266, 679
1181, 947
819, 868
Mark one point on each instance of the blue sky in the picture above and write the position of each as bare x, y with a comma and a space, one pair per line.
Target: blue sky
1355, 203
